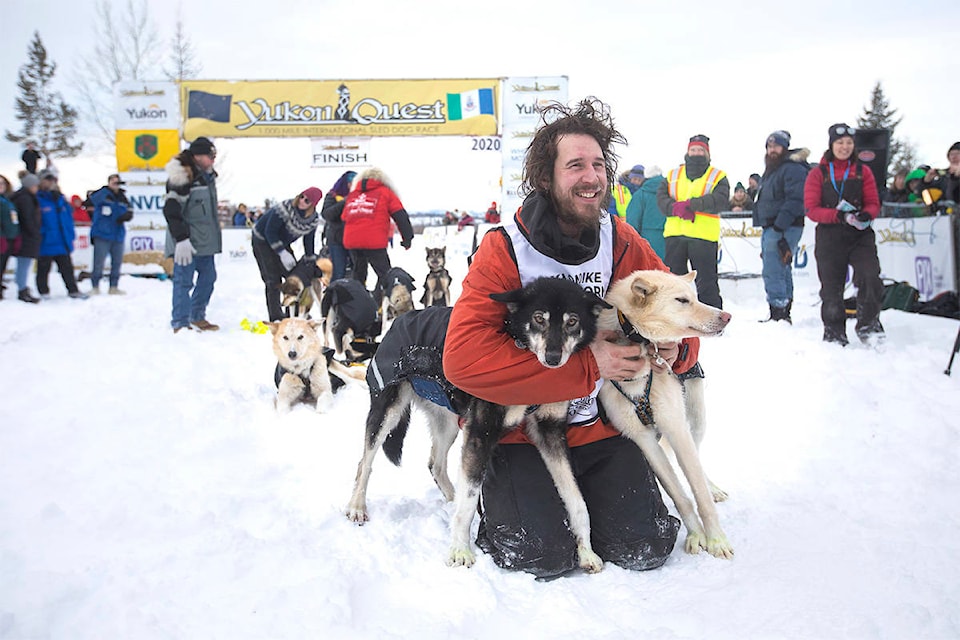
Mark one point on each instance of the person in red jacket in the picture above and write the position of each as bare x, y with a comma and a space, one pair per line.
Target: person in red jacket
840, 195
562, 229
367, 213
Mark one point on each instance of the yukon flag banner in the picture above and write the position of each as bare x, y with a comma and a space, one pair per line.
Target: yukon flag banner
339, 108
469, 104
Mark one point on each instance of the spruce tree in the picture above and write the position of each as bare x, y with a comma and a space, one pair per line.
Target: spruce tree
879, 115
47, 120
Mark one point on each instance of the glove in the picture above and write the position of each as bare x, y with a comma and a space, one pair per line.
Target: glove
406, 243
287, 259
854, 221
183, 252
682, 210
863, 216
783, 248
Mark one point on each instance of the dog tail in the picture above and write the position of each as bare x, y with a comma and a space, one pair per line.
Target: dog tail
393, 445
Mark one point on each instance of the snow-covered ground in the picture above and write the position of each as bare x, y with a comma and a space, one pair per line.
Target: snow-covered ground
148, 489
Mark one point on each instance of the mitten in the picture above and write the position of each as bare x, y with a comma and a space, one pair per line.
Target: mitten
854, 221
406, 243
863, 216
783, 248
287, 259
183, 252
682, 210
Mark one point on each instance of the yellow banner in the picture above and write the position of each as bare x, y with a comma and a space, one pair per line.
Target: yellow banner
339, 108
146, 150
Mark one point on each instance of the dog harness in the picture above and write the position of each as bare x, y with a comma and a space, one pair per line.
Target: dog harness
641, 405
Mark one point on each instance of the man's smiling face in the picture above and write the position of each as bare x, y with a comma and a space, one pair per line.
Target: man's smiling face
579, 183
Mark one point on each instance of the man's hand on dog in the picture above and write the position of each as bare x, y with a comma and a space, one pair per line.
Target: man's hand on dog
625, 362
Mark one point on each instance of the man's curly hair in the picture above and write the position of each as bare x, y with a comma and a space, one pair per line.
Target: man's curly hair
590, 116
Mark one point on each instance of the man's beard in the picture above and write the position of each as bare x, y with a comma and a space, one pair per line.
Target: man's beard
772, 160
573, 213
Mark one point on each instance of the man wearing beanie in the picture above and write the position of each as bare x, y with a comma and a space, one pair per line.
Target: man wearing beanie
948, 182
28, 214
622, 191
840, 195
691, 198
193, 233
779, 211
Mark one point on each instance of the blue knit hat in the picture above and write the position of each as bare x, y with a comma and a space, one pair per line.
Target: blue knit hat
780, 137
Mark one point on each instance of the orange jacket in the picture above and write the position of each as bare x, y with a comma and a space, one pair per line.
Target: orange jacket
480, 358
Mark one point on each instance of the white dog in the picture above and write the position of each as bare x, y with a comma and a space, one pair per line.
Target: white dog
652, 307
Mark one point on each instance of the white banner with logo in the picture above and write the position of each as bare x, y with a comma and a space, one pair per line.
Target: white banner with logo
916, 250
522, 99
340, 152
146, 105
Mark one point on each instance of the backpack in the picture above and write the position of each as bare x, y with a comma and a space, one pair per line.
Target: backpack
899, 295
943, 304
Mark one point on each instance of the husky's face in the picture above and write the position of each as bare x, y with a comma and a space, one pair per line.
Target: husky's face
436, 258
295, 342
290, 291
664, 307
552, 317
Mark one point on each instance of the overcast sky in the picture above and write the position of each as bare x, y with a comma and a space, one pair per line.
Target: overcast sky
734, 71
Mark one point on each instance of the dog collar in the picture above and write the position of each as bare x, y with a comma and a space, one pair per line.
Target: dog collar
629, 330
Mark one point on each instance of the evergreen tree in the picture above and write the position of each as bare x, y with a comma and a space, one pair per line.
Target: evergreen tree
879, 115
48, 121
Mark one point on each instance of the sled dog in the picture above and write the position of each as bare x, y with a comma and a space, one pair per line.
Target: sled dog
304, 285
651, 307
566, 321
305, 372
351, 323
397, 294
436, 286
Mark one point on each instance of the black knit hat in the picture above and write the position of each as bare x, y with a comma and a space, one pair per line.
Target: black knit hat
203, 147
839, 130
954, 147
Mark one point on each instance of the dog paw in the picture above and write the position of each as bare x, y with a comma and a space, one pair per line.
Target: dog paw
720, 547
719, 495
357, 515
324, 404
589, 561
461, 557
695, 541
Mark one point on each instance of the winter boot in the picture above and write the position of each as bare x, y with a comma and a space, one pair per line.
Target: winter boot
835, 334
778, 313
26, 297
871, 334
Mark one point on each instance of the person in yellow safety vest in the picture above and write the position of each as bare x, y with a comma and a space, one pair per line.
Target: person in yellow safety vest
692, 197
621, 192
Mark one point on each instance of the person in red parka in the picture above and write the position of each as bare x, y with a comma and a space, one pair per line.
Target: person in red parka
367, 212
841, 196
563, 229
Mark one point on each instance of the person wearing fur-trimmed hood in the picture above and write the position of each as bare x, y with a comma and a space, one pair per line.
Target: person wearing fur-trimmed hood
779, 211
367, 212
193, 233
275, 232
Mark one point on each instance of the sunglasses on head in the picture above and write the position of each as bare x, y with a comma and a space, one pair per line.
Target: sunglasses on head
844, 131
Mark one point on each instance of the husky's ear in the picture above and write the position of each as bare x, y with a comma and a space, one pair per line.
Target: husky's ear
274, 326
642, 287
315, 324
690, 276
598, 303
510, 298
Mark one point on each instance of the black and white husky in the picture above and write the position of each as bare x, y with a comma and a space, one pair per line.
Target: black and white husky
553, 318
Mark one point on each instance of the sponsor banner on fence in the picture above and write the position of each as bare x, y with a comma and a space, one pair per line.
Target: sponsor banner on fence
142, 106
340, 152
916, 250
523, 97
146, 150
339, 108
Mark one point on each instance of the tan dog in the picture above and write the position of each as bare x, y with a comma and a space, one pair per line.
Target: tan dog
304, 371
657, 306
